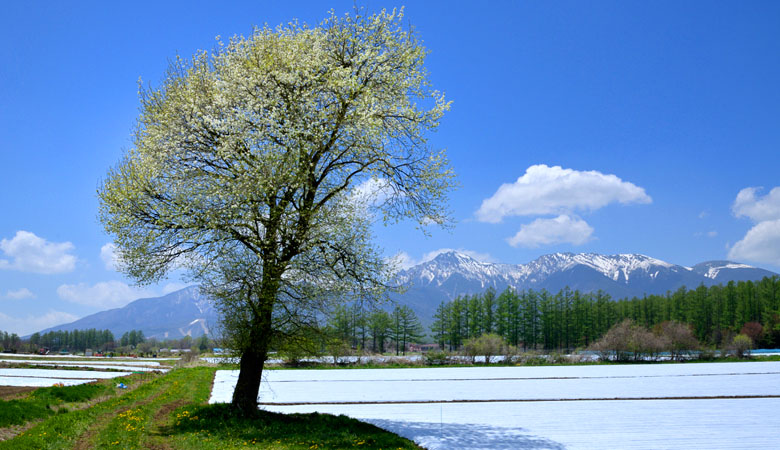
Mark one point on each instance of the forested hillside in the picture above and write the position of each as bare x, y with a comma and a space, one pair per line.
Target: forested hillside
569, 319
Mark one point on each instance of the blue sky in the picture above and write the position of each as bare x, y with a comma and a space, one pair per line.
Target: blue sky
608, 127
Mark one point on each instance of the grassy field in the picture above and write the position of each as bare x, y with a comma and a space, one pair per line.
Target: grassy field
170, 412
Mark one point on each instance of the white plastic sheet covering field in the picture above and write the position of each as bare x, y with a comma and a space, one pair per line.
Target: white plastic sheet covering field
726, 405
104, 364
49, 377
82, 362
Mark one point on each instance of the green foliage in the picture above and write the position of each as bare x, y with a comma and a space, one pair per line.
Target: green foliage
355, 327
570, 319
259, 168
405, 328
10, 342
74, 341
379, 323
487, 345
742, 344
132, 338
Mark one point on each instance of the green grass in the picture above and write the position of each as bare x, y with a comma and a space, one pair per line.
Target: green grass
171, 412
78, 393
219, 427
46, 401
18, 412
61, 430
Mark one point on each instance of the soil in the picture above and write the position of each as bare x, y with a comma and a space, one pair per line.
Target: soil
12, 392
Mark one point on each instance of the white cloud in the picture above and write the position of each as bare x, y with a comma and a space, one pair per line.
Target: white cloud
31, 324
562, 229
761, 244
105, 294
30, 253
373, 191
109, 256
403, 261
756, 208
19, 294
553, 190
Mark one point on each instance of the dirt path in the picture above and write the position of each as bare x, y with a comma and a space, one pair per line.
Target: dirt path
84, 441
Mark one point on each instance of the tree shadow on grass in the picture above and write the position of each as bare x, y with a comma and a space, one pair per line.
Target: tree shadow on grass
222, 423
466, 436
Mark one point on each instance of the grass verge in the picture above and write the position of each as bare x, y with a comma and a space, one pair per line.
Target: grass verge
170, 412
219, 427
46, 401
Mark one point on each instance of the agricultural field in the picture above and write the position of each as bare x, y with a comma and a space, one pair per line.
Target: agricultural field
48, 371
50, 377
163, 410
708, 405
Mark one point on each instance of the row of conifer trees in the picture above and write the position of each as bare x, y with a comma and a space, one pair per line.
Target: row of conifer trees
570, 319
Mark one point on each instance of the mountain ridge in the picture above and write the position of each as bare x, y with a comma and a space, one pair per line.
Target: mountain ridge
450, 274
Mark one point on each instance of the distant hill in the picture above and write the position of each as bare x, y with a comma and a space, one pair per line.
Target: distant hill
182, 313
188, 313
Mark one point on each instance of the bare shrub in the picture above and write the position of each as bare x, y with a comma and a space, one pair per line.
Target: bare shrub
753, 330
627, 341
615, 343
679, 339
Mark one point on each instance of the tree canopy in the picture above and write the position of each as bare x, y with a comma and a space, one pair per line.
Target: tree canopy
259, 167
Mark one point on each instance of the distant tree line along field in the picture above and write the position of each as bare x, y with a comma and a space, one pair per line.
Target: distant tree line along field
571, 319
716, 316
79, 341
538, 320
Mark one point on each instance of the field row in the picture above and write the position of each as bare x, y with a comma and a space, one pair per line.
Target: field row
542, 407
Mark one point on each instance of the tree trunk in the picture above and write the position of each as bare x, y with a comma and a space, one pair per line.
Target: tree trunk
248, 384
253, 357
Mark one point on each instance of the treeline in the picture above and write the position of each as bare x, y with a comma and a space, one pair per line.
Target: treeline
79, 341
10, 342
375, 330
74, 341
571, 319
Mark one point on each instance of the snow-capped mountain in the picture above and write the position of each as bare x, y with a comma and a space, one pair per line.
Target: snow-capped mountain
189, 313
452, 274
725, 271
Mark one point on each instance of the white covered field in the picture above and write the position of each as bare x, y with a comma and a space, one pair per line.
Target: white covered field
721, 405
41, 377
48, 377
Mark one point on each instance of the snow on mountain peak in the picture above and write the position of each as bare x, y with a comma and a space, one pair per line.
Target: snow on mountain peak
713, 268
616, 267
